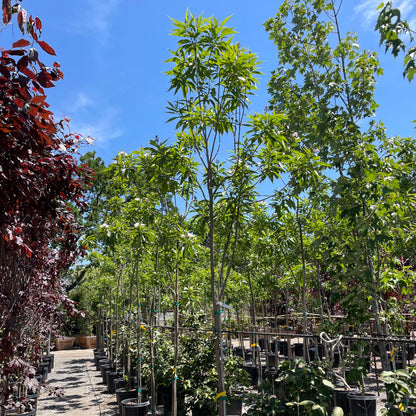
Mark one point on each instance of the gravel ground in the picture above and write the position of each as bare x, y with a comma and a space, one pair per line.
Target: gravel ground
84, 391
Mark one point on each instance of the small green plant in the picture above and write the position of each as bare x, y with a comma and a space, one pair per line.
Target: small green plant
399, 385
307, 391
356, 366
263, 403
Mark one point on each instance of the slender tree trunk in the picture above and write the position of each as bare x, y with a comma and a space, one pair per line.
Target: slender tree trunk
111, 329
152, 352
304, 308
240, 335
255, 342
175, 341
215, 306
139, 329
385, 362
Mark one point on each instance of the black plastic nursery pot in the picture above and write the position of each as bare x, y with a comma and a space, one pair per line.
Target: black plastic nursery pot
235, 405
98, 352
248, 354
312, 354
33, 400
119, 383
298, 349
271, 360
278, 386
111, 376
101, 362
202, 411
253, 372
341, 398
238, 351
43, 371
283, 348
98, 358
164, 398
104, 369
263, 343
362, 404
48, 359
337, 359
130, 407
411, 351
123, 394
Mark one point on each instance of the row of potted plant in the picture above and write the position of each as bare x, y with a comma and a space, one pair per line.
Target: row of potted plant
195, 374
290, 385
25, 384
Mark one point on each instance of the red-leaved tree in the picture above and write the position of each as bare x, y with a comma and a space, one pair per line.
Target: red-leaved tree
40, 181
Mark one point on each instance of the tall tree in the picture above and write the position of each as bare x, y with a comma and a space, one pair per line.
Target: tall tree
214, 79
325, 86
40, 181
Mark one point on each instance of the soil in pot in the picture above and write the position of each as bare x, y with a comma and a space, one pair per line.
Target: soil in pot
130, 407
362, 404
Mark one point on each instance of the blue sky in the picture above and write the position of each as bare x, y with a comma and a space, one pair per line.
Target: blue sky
112, 54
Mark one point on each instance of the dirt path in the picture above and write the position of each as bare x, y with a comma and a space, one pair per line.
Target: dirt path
84, 391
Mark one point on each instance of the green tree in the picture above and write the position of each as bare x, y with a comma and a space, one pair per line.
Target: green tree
324, 86
213, 78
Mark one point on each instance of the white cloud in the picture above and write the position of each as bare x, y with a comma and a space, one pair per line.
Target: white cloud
91, 117
81, 102
367, 10
96, 18
103, 128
